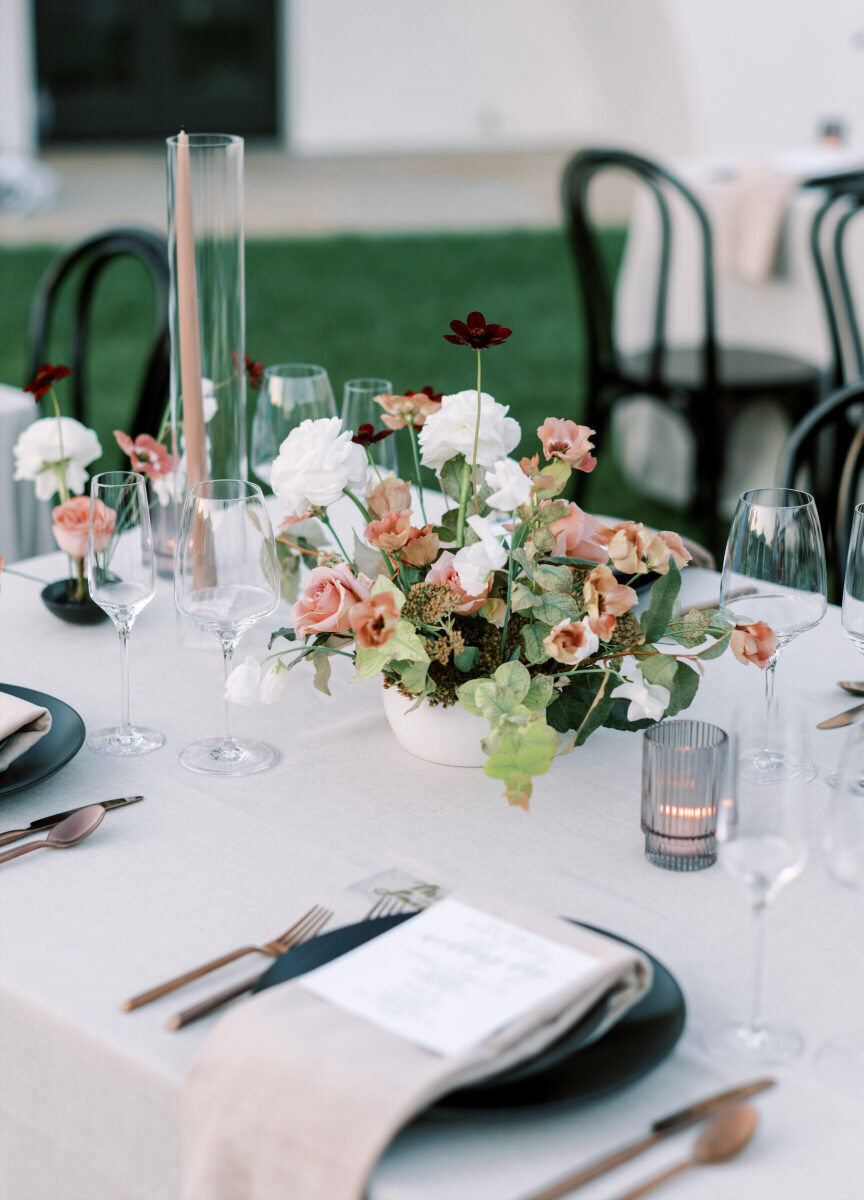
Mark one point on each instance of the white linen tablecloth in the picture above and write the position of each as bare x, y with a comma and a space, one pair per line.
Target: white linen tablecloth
89, 1096
25, 522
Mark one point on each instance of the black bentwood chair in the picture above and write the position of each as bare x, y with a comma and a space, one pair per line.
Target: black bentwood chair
91, 257
705, 383
835, 484
845, 199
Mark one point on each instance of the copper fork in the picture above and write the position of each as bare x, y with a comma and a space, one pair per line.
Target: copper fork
309, 930
386, 906
278, 946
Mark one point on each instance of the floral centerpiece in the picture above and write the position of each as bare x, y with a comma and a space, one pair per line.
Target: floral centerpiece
515, 604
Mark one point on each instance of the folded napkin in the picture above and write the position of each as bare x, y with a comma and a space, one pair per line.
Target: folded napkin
22, 724
748, 221
294, 1098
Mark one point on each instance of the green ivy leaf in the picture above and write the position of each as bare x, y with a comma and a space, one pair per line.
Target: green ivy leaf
518, 753
369, 662
467, 696
514, 676
540, 692
413, 677
406, 643
384, 584
556, 606
532, 640
553, 579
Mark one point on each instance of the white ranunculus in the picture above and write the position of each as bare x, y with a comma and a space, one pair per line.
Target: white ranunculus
243, 685
474, 564
38, 454
316, 462
274, 681
450, 431
512, 486
648, 701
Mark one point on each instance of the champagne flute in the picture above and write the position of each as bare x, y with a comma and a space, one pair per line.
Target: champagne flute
840, 1060
359, 408
226, 579
853, 608
775, 551
121, 579
762, 843
289, 394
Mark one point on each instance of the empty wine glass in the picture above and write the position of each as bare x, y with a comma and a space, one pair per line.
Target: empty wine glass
853, 606
762, 843
774, 571
226, 579
359, 408
290, 393
840, 1059
121, 580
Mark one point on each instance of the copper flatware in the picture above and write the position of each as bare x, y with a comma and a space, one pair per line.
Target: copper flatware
309, 930
843, 718
386, 906
67, 833
274, 948
851, 686
14, 835
664, 1128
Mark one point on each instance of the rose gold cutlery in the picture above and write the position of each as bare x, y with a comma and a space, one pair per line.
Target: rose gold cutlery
274, 948
663, 1128
306, 929
386, 906
843, 718
850, 686
14, 835
74, 829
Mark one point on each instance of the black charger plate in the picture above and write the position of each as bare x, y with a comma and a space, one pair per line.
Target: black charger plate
568, 1069
62, 742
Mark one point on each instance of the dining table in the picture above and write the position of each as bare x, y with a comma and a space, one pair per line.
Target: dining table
90, 1095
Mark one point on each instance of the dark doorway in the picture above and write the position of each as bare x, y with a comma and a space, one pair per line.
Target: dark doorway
143, 68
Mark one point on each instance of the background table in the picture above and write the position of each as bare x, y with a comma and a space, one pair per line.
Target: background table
25, 523
89, 1096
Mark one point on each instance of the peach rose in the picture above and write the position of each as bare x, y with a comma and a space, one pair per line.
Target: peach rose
754, 643
664, 546
390, 495
569, 442
421, 547
391, 532
606, 599
571, 641
578, 535
72, 524
327, 600
626, 545
374, 620
443, 571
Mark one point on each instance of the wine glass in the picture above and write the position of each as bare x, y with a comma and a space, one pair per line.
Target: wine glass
226, 579
359, 408
840, 1059
762, 843
853, 608
290, 393
774, 571
121, 579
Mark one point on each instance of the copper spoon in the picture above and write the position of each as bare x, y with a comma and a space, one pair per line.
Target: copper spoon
67, 833
850, 686
720, 1141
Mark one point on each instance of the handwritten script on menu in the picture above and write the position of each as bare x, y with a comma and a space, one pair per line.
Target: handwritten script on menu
450, 977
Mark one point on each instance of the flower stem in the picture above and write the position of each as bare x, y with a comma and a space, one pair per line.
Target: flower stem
373, 464
516, 540
463, 503
413, 436
477, 432
80, 585
61, 472
391, 569
342, 549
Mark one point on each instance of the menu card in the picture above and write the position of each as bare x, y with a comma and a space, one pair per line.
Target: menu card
450, 977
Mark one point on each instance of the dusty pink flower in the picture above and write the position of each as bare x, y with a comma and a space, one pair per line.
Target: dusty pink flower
391, 494
327, 599
443, 571
421, 547
391, 532
606, 599
146, 454
571, 641
578, 535
569, 442
754, 643
374, 620
664, 546
289, 521
72, 523
626, 545
411, 409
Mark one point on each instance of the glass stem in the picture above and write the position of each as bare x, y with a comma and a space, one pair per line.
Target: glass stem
228, 648
123, 632
759, 907
769, 704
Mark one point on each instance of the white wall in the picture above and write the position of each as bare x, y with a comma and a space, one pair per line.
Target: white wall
17, 77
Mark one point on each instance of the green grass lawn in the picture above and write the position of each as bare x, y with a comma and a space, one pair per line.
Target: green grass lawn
361, 306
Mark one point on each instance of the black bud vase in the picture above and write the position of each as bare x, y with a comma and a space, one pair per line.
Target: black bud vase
59, 598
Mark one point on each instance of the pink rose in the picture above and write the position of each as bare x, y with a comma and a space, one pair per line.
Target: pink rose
754, 643
72, 525
569, 442
578, 535
443, 571
388, 495
327, 599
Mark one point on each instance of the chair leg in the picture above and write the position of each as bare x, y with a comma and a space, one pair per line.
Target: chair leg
710, 460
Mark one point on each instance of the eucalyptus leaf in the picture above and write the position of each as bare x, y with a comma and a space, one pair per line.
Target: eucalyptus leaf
657, 615
556, 606
465, 660
532, 640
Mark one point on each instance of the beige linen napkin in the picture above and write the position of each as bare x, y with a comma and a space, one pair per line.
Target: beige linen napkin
22, 724
749, 220
293, 1098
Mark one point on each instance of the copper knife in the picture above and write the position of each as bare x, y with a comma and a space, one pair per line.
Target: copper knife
665, 1127
13, 835
844, 718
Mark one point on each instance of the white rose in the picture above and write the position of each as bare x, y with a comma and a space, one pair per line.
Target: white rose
209, 403
648, 701
512, 486
38, 454
474, 564
450, 431
273, 683
243, 685
316, 462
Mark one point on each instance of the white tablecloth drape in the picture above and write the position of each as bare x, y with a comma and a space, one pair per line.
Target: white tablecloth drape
25, 522
89, 1096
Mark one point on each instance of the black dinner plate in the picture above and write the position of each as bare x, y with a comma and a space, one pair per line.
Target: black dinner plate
62, 741
569, 1069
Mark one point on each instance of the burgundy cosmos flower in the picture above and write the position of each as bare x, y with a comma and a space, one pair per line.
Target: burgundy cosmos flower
45, 379
366, 435
254, 373
476, 333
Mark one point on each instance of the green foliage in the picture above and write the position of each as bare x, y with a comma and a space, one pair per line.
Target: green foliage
553, 607
321, 663
658, 614
557, 474
466, 659
285, 632
532, 640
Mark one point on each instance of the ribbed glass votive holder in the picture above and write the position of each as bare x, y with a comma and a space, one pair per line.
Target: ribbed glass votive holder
683, 771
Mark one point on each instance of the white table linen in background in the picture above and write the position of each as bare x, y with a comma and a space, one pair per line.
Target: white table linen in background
25, 522
89, 1096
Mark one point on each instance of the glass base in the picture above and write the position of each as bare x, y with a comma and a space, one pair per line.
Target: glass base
763, 765
840, 1062
215, 756
856, 786
753, 1046
125, 742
